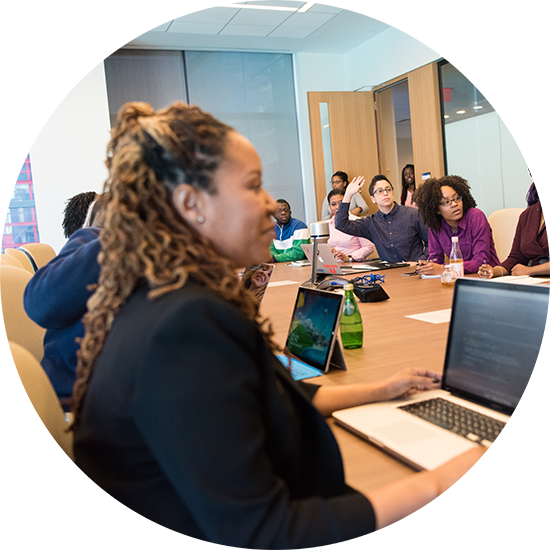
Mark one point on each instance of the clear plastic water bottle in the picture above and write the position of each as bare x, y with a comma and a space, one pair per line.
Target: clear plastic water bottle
455, 258
351, 324
448, 277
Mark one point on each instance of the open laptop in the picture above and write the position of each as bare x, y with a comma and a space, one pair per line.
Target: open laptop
328, 265
494, 338
312, 340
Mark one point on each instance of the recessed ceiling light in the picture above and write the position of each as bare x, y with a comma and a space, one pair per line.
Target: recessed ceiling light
477, 107
460, 112
445, 116
230, 4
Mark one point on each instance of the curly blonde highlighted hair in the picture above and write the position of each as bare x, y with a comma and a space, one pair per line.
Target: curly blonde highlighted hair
144, 239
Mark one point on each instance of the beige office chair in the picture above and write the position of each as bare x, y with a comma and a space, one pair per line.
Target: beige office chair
503, 223
41, 253
42, 396
6, 259
19, 327
21, 257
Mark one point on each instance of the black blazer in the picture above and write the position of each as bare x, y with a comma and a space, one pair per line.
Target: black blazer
192, 422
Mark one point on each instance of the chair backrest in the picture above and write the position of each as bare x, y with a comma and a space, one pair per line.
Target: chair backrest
41, 253
42, 396
22, 258
6, 259
19, 326
503, 223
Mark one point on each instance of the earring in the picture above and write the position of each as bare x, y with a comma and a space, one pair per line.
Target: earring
200, 219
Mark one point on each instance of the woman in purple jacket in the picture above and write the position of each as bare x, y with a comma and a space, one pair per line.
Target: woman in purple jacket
448, 209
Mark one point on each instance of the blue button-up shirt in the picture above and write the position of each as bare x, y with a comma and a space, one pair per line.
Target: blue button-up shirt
399, 236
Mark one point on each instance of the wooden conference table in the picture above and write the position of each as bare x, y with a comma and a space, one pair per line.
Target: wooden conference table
391, 342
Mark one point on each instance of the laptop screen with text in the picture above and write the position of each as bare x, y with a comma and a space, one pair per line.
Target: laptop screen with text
494, 339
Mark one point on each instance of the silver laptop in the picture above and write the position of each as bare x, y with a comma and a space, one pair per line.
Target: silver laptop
328, 265
494, 338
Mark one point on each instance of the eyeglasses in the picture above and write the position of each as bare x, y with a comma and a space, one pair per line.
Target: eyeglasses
283, 210
386, 190
448, 202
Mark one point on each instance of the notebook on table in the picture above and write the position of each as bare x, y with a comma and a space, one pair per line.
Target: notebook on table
312, 341
495, 334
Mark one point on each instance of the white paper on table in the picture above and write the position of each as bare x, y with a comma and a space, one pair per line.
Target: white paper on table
282, 283
519, 280
435, 317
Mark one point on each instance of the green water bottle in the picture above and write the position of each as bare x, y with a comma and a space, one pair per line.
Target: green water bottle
351, 324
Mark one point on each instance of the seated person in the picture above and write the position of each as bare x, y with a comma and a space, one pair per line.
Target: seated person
343, 246
182, 412
397, 231
55, 298
448, 209
358, 206
529, 254
408, 185
76, 211
290, 233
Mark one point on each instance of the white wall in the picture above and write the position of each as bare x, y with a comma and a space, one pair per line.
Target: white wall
68, 156
481, 150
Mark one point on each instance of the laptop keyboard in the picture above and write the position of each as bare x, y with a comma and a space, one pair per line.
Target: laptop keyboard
472, 425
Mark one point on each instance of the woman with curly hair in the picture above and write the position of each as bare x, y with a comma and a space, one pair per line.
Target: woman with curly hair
449, 210
182, 411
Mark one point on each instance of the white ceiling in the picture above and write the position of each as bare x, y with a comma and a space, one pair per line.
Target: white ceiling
321, 29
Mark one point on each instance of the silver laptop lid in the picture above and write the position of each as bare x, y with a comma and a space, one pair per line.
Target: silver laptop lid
326, 262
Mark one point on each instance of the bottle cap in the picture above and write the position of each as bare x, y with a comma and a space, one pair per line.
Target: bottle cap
454, 239
349, 286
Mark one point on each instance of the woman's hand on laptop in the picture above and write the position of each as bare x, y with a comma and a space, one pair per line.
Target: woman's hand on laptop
332, 398
408, 382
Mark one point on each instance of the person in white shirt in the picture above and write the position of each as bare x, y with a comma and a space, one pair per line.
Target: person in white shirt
345, 247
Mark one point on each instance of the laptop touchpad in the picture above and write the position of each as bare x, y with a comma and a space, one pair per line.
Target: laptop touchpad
405, 432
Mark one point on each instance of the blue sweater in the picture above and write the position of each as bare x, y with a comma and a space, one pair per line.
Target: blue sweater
56, 297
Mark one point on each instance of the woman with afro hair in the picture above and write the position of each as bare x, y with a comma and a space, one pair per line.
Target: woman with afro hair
448, 209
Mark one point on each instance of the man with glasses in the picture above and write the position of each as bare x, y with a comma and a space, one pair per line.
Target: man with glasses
397, 231
291, 234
